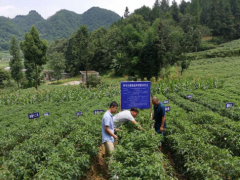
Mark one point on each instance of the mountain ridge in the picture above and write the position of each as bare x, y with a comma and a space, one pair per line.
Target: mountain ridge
60, 25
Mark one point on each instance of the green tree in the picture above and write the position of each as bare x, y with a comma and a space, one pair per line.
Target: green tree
145, 12
4, 76
81, 50
183, 6
34, 50
227, 26
100, 57
16, 61
175, 11
195, 11
215, 17
57, 64
164, 7
126, 13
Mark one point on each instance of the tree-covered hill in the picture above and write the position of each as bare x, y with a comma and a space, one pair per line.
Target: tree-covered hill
60, 25
24, 23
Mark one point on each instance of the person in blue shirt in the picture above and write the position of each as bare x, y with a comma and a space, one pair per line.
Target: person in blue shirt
159, 116
108, 135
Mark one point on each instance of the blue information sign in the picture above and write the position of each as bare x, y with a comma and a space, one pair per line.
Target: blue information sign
229, 105
46, 114
166, 102
135, 94
167, 108
33, 115
98, 111
189, 96
79, 113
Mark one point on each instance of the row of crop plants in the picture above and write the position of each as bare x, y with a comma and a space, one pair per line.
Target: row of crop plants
193, 145
60, 146
215, 104
60, 94
137, 155
224, 131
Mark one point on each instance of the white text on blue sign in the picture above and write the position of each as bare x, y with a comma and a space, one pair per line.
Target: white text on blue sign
79, 113
97, 111
165, 102
229, 105
167, 108
33, 115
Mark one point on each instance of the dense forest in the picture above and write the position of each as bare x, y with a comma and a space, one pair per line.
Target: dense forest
60, 25
149, 40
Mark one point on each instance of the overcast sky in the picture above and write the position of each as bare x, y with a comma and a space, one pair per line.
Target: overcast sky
47, 8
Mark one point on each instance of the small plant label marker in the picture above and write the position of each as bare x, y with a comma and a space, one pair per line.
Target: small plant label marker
97, 111
167, 108
46, 114
189, 96
166, 102
33, 115
229, 105
79, 113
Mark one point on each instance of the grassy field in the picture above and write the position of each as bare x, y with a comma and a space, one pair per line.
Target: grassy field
227, 68
4, 64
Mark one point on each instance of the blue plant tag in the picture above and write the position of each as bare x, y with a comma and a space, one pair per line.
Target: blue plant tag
46, 114
33, 115
167, 108
79, 113
97, 111
166, 102
229, 105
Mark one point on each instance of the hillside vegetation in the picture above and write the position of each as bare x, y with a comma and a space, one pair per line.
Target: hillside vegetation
60, 25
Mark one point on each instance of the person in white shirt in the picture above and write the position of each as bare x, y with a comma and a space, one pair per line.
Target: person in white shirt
125, 116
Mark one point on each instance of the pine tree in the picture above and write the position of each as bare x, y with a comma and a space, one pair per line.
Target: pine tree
126, 13
175, 11
81, 49
34, 50
156, 4
226, 29
215, 17
16, 62
195, 10
164, 7
183, 6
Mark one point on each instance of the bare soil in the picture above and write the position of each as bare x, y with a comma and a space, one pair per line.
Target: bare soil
98, 170
169, 157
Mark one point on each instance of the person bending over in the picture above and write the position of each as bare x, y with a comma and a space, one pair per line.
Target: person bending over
124, 117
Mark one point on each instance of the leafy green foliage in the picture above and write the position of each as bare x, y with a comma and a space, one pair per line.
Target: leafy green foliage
57, 64
16, 61
4, 76
93, 81
34, 50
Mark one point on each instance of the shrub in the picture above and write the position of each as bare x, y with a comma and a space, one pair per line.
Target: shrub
93, 80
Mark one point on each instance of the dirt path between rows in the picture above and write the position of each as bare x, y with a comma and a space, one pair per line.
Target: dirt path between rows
172, 164
98, 170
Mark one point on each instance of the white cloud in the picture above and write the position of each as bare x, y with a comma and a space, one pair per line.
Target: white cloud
11, 11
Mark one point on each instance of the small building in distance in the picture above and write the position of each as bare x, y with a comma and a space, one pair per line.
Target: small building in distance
89, 73
66, 75
48, 75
